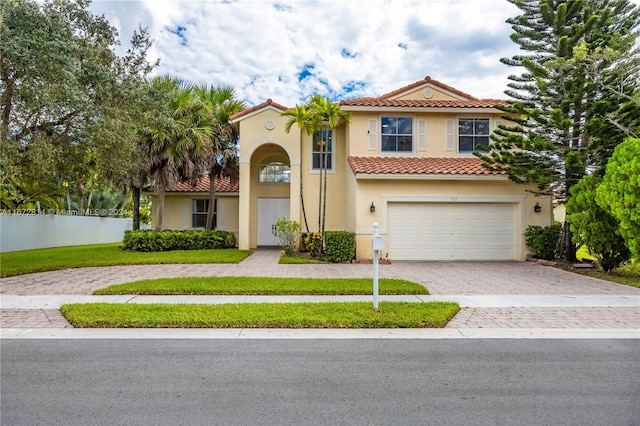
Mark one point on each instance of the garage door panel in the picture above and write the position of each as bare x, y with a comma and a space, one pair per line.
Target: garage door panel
476, 238
451, 231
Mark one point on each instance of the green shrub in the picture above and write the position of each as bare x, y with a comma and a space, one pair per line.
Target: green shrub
312, 242
288, 232
192, 239
340, 246
544, 242
594, 226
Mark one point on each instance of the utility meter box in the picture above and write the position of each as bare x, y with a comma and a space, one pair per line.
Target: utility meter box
377, 242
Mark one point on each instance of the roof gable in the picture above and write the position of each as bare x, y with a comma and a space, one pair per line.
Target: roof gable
267, 105
427, 94
426, 89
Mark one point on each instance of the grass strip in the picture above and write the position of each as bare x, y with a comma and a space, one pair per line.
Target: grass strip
261, 315
298, 260
263, 286
29, 261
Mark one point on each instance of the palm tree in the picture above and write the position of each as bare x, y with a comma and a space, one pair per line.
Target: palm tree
178, 143
300, 116
220, 103
318, 115
328, 115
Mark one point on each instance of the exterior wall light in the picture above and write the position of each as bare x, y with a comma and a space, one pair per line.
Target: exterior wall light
372, 207
537, 208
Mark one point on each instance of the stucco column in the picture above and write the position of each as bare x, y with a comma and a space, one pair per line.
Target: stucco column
244, 205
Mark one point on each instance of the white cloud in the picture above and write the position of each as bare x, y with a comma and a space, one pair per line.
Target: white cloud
348, 48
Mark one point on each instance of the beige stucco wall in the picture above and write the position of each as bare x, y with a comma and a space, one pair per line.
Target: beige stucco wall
358, 132
382, 192
437, 93
178, 210
260, 145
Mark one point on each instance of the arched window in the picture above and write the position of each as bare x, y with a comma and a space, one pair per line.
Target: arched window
275, 172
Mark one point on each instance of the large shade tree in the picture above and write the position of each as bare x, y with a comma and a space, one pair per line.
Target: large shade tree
557, 124
68, 103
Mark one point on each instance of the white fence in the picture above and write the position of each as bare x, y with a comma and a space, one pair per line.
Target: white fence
26, 232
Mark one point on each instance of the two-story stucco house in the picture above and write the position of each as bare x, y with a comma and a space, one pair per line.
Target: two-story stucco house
405, 162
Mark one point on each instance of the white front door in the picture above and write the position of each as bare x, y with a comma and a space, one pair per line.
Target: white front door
270, 210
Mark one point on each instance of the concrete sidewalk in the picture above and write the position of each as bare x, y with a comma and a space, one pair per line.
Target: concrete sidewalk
518, 298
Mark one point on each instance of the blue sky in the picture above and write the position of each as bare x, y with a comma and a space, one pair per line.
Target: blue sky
289, 50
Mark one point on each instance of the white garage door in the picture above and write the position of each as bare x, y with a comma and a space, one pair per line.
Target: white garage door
451, 231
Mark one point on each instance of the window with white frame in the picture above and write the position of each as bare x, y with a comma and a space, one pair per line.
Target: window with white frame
322, 146
274, 172
199, 213
471, 133
397, 134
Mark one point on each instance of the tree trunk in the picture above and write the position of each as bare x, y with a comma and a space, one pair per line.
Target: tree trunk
320, 185
68, 201
160, 207
324, 189
304, 213
80, 194
136, 208
568, 247
212, 201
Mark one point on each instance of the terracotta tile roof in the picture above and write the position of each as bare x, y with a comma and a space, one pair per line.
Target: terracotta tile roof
428, 80
222, 185
422, 103
389, 99
267, 103
418, 166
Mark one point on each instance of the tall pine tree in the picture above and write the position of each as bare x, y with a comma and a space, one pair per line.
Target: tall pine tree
557, 119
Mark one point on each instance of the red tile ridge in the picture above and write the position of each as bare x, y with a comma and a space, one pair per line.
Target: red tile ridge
268, 102
428, 80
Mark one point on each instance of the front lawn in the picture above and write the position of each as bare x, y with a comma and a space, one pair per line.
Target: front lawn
264, 286
625, 274
50, 259
261, 315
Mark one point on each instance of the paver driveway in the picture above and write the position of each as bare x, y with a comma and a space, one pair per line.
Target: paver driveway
471, 278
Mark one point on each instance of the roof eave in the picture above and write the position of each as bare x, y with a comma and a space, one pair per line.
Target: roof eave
193, 193
473, 110
417, 176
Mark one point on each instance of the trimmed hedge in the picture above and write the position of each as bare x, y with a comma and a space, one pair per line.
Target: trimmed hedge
340, 246
147, 241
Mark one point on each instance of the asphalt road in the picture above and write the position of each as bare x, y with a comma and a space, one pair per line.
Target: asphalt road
309, 382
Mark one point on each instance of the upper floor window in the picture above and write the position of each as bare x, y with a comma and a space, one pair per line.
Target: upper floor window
199, 213
471, 133
322, 143
275, 172
397, 134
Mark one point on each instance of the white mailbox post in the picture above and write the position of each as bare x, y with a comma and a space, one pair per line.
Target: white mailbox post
377, 243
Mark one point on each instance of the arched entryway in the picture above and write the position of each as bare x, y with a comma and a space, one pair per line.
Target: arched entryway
271, 192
